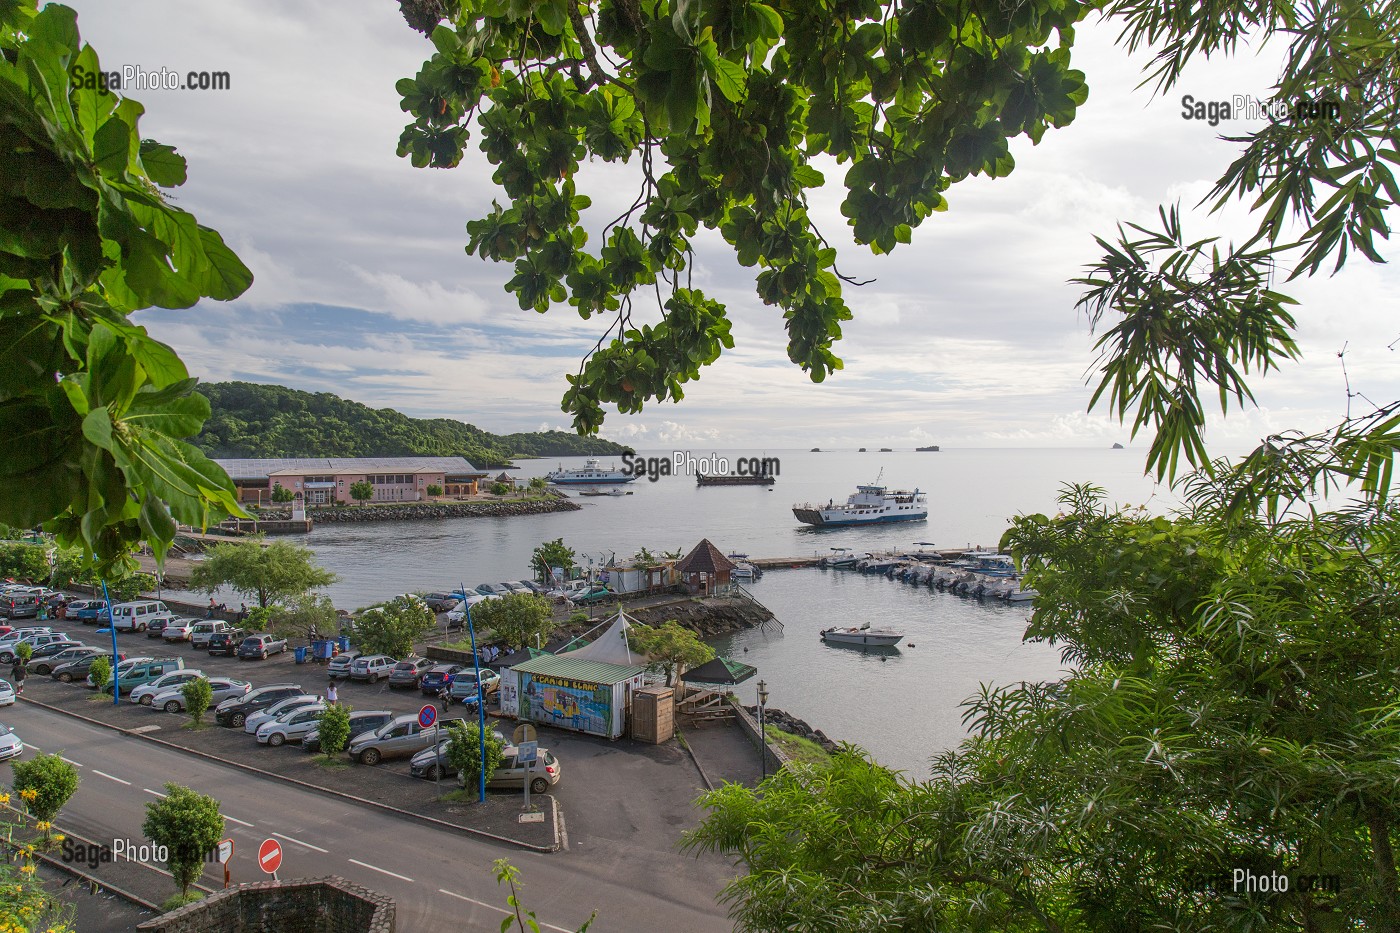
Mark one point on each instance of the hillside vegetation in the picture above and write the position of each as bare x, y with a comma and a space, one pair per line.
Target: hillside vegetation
251, 420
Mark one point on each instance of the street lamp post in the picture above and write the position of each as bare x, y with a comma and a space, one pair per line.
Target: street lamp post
762, 729
480, 696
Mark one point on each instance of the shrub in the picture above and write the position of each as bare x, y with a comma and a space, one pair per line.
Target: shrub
434, 489
188, 824
198, 694
45, 783
101, 672
464, 752
334, 726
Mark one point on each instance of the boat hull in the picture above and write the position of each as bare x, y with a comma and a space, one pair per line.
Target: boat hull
817, 518
864, 639
560, 480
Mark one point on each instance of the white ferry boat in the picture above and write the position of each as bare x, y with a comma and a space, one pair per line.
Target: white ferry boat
868, 505
590, 475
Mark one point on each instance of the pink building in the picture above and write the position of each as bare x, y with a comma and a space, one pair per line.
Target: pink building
327, 480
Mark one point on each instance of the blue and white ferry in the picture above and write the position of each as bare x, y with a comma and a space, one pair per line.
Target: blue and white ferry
590, 475
868, 505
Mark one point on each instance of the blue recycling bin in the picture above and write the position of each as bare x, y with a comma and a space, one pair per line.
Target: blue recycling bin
344, 643
301, 654
323, 649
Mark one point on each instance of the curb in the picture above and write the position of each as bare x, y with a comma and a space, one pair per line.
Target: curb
698, 767
430, 820
68, 868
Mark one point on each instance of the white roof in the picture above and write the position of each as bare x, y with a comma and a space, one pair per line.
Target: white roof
610, 647
263, 468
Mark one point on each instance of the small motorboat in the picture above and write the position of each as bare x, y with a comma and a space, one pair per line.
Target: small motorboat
864, 635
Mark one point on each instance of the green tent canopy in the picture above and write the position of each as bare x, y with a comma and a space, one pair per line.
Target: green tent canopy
722, 671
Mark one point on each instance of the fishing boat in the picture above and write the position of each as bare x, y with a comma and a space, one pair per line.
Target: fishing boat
862, 635
614, 491
590, 475
868, 505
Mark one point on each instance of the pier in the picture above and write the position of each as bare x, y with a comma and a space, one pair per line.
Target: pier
816, 557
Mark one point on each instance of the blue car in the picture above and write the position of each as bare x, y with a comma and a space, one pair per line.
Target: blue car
437, 677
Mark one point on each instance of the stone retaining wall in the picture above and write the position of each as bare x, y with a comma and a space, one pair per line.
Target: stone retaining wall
322, 905
419, 511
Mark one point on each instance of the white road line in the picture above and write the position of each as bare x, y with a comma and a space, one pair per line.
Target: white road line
499, 910
234, 819
72, 762
110, 778
300, 843
382, 871
155, 792
32, 748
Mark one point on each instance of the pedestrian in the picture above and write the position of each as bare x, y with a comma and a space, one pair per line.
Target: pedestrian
331, 697
17, 673
212, 606
242, 612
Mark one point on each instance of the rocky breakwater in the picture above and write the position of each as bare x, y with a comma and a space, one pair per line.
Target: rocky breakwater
708, 617
790, 724
420, 511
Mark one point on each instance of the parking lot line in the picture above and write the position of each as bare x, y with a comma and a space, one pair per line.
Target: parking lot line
32, 748
71, 761
155, 792
300, 843
110, 777
234, 819
501, 910
382, 871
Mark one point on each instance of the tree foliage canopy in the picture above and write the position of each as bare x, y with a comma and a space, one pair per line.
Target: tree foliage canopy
727, 108
670, 646
93, 407
392, 627
189, 825
517, 619
50, 782
276, 572
549, 555
464, 752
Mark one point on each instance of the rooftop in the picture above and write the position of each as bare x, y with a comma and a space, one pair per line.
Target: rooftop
263, 468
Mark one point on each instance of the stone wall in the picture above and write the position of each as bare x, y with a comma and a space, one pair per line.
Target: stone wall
749, 724
419, 511
708, 617
321, 905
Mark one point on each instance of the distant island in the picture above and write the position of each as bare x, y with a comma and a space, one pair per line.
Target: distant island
253, 420
816, 450
933, 448
1117, 447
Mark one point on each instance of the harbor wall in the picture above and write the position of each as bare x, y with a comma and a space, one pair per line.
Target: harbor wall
418, 511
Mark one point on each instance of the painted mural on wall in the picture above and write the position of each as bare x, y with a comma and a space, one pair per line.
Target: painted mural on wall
566, 703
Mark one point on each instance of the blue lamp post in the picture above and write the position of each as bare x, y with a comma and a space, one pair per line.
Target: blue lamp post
480, 697
112, 628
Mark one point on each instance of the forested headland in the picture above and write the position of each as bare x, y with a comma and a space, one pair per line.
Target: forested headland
252, 420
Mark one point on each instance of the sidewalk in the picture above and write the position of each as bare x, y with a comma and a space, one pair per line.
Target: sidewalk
723, 751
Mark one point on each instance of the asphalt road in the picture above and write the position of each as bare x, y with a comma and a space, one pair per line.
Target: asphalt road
435, 876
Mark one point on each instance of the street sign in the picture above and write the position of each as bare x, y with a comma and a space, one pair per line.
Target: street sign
526, 752
523, 733
270, 855
427, 716
225, 850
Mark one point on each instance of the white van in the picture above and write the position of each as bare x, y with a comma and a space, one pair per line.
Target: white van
137, 616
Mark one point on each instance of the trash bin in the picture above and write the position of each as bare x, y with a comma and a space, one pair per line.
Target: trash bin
344, 643
301, 655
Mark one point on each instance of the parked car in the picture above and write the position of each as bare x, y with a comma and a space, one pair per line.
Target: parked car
172, 700
15, 636
460, 613
295, 701
206, 629
339, 666
45, 666
515, 587
10, 744
35, 640
493, 589
260, 646
234, 711
7, 693
464, 685
440, 602
146, 692
226, 643
537, 588
77, 669
431, 763
408, 672
133, 673
156, 627
372, 667
178, 630
137, 616
437, 677
53, 648
401, 737
23, 605
361, 721
88, 611
291, 726
510, 774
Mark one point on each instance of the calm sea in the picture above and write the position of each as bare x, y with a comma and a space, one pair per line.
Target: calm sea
904, 707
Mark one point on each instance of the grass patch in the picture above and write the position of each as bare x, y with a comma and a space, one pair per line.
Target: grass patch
333, 764
463, 795
803, 751
176, 901
195, 726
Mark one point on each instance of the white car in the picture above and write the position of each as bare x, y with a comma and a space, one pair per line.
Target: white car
460, 613
145, 693
172, 700
250, 725
291, 726
7, 693
178, 630
10, 744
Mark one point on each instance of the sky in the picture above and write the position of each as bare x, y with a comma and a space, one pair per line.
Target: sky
968, 336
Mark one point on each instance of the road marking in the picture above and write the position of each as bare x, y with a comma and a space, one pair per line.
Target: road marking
234, 819
32, 748
71, 762
500, 910
155, 792
300, 843
110, 777
382, 871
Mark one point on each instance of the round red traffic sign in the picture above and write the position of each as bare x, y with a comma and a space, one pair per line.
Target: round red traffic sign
427, 716
270, 855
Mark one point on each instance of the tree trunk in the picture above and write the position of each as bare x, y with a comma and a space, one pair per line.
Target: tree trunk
1384, 857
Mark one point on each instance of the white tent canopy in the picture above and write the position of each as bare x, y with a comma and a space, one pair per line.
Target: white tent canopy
611, 647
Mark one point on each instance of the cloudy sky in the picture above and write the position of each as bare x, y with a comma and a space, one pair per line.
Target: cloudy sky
968, 337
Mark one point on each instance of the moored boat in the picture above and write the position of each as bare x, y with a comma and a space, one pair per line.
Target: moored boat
590, 475
868, 505
862, 635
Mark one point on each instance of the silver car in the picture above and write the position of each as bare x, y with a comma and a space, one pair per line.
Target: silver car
146, 692
291, 726
172, 699
401, 738
254, 720
10, 744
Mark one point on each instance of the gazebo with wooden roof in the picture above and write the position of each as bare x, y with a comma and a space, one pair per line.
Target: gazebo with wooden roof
705, 568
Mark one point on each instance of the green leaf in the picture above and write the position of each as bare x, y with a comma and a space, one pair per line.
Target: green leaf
97, 427
163, 164
111, 148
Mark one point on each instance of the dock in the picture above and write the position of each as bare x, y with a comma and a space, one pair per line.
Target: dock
816, 557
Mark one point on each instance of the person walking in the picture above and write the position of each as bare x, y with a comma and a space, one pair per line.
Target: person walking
18, 673
331, 696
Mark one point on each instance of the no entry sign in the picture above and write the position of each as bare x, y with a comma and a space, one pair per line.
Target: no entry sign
270, 855
427, 716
